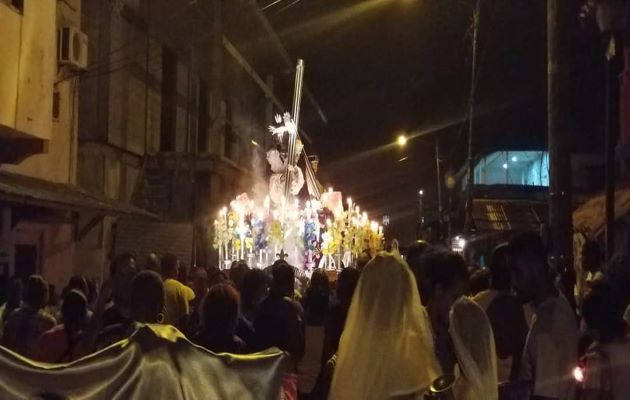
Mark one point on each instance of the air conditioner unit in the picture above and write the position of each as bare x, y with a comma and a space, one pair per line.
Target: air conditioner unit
72, 46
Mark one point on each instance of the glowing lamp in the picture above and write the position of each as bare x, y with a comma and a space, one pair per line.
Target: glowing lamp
402, 140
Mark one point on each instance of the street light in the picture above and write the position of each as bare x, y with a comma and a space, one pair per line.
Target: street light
402, 140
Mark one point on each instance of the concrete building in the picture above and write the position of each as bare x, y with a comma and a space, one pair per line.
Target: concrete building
44, 216
173, 114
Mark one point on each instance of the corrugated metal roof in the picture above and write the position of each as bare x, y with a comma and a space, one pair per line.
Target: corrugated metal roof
508, 215
27, 190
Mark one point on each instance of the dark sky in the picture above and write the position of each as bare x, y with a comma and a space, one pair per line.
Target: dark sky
381, 67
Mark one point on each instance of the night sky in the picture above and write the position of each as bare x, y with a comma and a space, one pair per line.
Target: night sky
379, 68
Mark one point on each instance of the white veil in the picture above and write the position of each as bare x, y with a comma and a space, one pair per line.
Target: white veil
473, 340
386, 348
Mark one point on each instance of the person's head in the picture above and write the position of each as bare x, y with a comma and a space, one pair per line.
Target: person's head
602, 311
479, 281
255, 289
199, 280
591, 256
283, 279
74, 309
362, 260
499, 270
530, 271
170, 266
215, 276
416, 250
444, 279
122, 264
220, 310
36, 292
79, 283
147, 297
618, 272
182, 272
316, 297
122, 270
471, 334
14, 293
152, 263
384, 292
346, 284
237, 272
385, 320
319, 282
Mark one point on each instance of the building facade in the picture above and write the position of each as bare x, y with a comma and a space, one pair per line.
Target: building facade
175, 104
44, 215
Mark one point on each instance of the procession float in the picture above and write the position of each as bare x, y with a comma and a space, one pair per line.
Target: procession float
309, 230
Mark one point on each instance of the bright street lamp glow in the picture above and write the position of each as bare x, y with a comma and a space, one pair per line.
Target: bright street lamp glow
402, 140
421, 192
505, 166
514, 159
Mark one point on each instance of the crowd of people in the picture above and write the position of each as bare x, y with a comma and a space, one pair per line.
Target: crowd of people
389, 327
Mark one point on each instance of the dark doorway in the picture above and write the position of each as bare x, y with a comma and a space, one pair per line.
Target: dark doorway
25, 260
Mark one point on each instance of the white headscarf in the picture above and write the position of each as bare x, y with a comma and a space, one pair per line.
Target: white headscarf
473, 340
386, 348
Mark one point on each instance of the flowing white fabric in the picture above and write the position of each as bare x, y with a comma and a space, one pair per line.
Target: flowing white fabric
473, 340
386, 348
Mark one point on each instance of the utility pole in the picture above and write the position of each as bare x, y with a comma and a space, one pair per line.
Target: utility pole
611, 23
558, 127
439, 186
470, 223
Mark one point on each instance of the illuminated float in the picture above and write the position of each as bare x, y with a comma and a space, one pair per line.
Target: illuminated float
315, 232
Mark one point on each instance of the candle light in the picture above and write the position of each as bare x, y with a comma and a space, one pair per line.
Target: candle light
267, 204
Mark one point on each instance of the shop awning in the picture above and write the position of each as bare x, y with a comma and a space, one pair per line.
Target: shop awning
509, 215
590, 217
25, 190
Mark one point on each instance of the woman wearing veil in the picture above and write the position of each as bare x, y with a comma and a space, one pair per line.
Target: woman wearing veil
386, 349
473, 340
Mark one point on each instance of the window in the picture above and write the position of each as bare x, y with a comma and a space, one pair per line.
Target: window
229, 149
524, 168
56, 105
204, 120
169, 100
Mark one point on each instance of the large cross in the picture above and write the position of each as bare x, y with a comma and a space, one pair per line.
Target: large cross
295, 113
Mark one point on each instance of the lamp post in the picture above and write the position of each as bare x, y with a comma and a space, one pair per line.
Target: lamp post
420, 214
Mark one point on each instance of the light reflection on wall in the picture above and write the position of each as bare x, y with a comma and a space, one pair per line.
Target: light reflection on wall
526, 168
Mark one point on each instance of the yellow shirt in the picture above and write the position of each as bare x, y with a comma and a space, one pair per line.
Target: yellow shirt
177, 297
